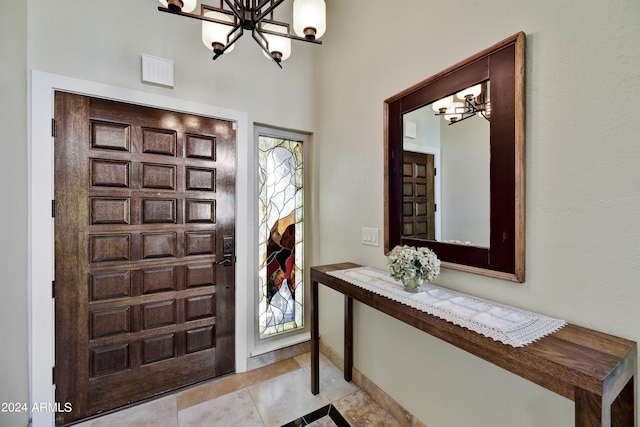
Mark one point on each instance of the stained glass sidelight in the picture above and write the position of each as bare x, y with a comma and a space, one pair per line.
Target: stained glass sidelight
280, 177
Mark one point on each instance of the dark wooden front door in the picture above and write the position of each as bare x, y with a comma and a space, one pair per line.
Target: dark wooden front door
418, 197
144, 262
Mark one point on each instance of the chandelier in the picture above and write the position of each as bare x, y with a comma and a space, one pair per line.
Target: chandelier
223, 25
475, 100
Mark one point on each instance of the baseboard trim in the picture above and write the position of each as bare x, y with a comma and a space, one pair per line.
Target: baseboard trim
377, 394
279, 355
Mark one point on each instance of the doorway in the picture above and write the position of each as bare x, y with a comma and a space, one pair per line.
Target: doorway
418, 195
144, 251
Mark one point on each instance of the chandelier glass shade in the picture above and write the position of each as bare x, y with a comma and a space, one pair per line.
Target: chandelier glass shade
309, 18
440, 106
279, 47
214, 35
224, 24
186, 6
472, 92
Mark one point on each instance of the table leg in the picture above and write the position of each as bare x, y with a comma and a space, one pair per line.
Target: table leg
315, 340
590, 410
348, 338
623, 408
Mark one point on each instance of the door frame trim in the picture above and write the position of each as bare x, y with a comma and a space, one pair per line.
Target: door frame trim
435, 151
41, 258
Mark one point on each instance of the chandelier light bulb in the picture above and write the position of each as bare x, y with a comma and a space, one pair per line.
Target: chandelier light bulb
186, 6
214, 34
279, 47
471, 92
441, 105
309, 18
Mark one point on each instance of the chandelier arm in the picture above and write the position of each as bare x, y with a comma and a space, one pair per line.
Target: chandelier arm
200, 17
261, 40
475, 109
229, 40
470, 110
206, 18
289, 36
464, 117
264, 44
261, 4
178, 12
236, 8
471, 105
261, 15
237, 29
235, 4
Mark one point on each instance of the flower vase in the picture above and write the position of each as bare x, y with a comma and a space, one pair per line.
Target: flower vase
412, 285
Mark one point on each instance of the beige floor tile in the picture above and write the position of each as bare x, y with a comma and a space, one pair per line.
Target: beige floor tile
210, 390
271, 371
285, 398
162, 412
332, 383
360, 410
304, 359
266, 397
231, 410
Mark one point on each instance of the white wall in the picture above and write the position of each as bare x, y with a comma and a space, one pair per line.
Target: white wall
13, 216
582, 185
427, 128
465, 158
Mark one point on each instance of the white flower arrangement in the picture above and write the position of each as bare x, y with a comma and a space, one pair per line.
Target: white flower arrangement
407, 262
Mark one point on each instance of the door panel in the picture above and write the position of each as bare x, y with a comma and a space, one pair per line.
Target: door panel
418, 197
144, 198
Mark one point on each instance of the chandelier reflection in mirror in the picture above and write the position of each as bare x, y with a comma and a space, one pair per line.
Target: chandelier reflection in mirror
223, 25
475, 100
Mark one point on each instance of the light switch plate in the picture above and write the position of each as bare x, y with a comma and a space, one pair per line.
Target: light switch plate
370, 236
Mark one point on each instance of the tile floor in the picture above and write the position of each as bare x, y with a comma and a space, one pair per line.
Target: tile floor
272, 396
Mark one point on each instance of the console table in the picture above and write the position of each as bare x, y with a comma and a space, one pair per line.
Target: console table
596, 370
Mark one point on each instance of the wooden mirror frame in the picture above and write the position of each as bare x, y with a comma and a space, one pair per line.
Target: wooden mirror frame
502, 64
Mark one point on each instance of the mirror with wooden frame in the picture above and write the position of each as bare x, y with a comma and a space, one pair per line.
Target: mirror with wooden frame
500, 71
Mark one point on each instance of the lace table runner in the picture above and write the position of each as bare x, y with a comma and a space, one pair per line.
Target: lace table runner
509, 325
